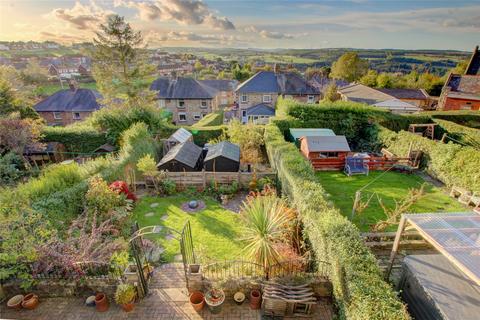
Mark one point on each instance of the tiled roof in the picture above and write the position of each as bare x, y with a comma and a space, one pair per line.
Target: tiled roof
223, 149
327, 143
363, 94
465, 83
70, 100
272, 82
186, 153
181, 135
221, 85
182, 88
263, 81
261, 110
473, 67
416, 94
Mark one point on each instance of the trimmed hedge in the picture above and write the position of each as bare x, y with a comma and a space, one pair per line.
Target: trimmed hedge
211, 119
202, 135
465, 135
358, 286
465, 118
78, 139
450, 163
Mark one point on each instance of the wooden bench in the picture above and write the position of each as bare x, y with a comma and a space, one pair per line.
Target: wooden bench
281, 300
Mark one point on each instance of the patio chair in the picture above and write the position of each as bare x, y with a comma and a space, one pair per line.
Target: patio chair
354, 165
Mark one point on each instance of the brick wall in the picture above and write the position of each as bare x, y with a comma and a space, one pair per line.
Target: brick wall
192, 108
66, 117
459, 104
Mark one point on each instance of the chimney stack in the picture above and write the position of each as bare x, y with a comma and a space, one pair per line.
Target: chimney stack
276, 68
72, 84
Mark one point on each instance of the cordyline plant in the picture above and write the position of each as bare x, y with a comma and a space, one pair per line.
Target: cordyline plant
265, 219
87, 242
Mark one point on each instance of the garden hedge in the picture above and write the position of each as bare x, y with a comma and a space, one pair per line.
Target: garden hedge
77, 139
202, 135
463, 117
211, 119
464, 135
451, 163
359, 288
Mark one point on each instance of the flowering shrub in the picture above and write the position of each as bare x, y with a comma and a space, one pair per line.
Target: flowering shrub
100, 197
121, 187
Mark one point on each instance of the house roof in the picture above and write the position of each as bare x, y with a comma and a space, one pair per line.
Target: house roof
79, 99
363, 94
276, 82
397, 105
416, 94
473, 67
469, 84
220, 85
181, 135
327, 143
310, 132
223, 149
182, 88
261, 110
186, 153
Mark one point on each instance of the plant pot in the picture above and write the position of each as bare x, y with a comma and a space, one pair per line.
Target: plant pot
255, 299
30, 301
130, 273
215, 302
197, 300
101, 302
127, 307
15, 302
90, 301
239, 297
194, 268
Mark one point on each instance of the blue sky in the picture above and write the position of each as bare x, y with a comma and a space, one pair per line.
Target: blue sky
254, 24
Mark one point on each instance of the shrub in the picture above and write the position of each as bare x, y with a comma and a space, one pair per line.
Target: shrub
12, 169
76, 139
359, 288
202, 135
100, 197
169, 187
465, 118
463, 135
211, 119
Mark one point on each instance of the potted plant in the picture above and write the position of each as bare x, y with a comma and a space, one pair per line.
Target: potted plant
130, 273
255, 299
214, 299
197, 300
239, 297
125, 296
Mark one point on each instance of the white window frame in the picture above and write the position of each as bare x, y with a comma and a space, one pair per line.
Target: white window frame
267, 98
57, 115
311, 99
203, 104
244, 98
179, 102
161, 103
75, 117
182, 114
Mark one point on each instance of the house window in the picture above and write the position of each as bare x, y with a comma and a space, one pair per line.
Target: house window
244, 113
224, 101
182, 117
76, 116
181, 103
57, 115
197, 117
244, 98
467, 106
168, 100
267, 98
311, 99
204, 103
161, 103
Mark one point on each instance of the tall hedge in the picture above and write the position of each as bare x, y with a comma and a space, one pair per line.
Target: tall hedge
463, 117
358, 286
451, 163
464, 135
77, 139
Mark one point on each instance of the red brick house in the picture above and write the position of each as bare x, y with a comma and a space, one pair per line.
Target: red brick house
462, 91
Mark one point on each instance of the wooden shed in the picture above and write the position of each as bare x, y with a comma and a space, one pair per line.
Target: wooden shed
297, 133
180, 136
223, 157
325, 153
182, 157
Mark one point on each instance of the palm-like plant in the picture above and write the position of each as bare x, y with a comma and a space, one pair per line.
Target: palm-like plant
265, 218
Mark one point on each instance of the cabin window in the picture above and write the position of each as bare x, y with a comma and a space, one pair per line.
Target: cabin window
204, 103
57, 115
267, 98
197, 117
244, 98
325, 155
311, 99
467, 106
181, 103
161, 103
182, 116
76, 116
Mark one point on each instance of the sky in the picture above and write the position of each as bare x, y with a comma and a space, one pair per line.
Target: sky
268, 24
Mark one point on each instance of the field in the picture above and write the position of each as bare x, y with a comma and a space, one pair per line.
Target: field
390, 187
214, 229
49, 89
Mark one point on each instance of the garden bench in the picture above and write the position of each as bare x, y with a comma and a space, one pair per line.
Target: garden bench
284, 300
355, 165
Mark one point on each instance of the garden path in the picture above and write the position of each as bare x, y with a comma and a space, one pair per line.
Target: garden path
167, 299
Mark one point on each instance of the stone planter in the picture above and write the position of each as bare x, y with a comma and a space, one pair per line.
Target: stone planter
214, 299
130, 274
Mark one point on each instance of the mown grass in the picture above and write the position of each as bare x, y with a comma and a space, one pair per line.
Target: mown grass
50, 89
215, 231
391, 187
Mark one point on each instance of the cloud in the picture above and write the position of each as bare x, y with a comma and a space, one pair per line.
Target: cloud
82, 17
187, 12
272, 34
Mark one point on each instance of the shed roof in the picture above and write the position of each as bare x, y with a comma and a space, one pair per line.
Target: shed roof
415, 94
181, 135
182, 88
223, 149
327, 143
397, 105
297, 133
78, 100
186, 153
363, 94
261, 109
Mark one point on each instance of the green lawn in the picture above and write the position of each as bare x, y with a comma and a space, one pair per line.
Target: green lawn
215, 231
390, 187
50, 89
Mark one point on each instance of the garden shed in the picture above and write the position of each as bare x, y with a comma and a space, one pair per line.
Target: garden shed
325, 153
182, 157
180, 136
223, 157
297, 133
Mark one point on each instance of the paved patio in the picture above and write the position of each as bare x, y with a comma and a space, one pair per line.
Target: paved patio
168, 299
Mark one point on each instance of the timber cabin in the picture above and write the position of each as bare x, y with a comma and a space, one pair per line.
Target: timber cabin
182, 157
325, 152
223, 157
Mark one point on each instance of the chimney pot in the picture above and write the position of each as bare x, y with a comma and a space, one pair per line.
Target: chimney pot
72, 85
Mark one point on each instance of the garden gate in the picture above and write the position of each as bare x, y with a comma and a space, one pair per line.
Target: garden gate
186, 248
136, 244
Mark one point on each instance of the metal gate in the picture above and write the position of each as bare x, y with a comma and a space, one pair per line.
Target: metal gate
136, 244
186, 248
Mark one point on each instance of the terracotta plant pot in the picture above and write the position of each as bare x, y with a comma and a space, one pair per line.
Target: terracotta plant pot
101, 302
197, 300
255, 299
127, 307
15, 302
30, 301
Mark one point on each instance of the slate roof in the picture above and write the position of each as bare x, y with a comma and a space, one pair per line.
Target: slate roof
223, 149
220, 85
186, 153
71, 100
261, 110
397, 105
272, 82
473, 67
297, 133
416, 94
465, 83
181, 135
327, 143
363, 94
182, 88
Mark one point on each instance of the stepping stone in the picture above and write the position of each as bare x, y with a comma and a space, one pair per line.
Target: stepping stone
149, 214
163, 218
169, 237
154, 205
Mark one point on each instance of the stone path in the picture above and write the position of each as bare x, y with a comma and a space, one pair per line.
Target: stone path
167, 299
